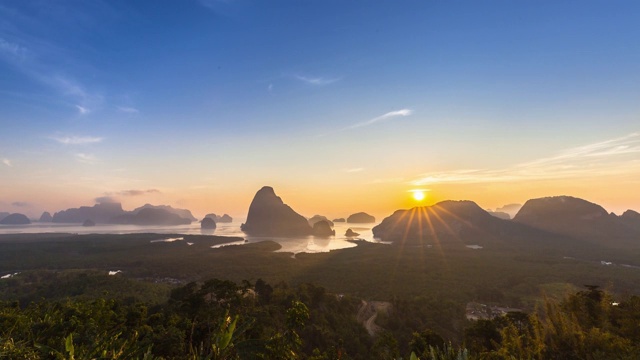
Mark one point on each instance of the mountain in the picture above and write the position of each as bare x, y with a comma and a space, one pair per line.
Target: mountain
183, 213
208, 223
578, 218
45, 217
220, 219
322, 228
101, 213
462, 222
511, 209
361, 217
150, 216
631, 218
4, 214
270, 216
500, 214
315, 218
15, 219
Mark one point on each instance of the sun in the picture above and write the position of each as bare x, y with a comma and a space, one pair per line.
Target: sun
418, 195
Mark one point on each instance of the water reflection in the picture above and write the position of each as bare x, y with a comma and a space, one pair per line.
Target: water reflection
307, 244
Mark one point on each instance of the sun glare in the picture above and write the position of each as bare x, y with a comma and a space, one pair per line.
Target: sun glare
418, 195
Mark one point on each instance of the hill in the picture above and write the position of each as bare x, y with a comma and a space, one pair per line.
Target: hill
580, 219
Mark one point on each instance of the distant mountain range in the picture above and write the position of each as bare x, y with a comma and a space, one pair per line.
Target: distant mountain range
545, 219
112, 213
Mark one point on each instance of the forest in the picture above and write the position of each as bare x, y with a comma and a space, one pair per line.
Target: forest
170, 300
220, 319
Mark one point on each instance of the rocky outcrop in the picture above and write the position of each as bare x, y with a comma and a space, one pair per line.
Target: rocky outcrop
351, 233
100, 213
45, 217
339, 220
361, 217
322, 228
208, 223
315, 218
183, 213
151, 216
15, 219
88, 223
270, 216
220, 219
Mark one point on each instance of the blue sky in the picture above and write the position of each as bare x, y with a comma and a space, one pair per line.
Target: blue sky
328, 101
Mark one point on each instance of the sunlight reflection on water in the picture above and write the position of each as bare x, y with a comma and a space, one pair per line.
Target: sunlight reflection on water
308, 244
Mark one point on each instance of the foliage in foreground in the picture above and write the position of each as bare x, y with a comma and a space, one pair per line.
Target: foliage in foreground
219, 319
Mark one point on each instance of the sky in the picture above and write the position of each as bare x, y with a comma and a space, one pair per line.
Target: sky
341, 106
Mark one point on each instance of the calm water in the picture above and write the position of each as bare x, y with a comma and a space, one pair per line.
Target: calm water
308, 244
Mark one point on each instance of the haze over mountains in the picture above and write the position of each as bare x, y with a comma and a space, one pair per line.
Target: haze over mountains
112, 213
545, 219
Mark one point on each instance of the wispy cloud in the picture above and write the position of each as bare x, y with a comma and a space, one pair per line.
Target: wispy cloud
77, 140
86, 158
138, 192
128, 110
354, 170
388, 116
7, 162
318, 81
20, 204
611, 157
12, 49
82, 110
28, 54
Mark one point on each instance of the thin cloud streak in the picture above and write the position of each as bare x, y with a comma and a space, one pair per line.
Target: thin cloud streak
388, 116
7, 162
86, 158
610, 157
318, 81
12, 49
77, 140
25, 59
82, 110
354, 170
137, 192
128, 110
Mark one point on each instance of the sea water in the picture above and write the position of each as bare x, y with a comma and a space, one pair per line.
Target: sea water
308, 244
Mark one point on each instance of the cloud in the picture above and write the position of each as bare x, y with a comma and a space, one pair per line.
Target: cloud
27, 56
86, 158
270, 88
611, 157
128, 110
385, 117
106, 200
7, 162
138, 192
318, 81
20, 204
354, 170
82, 110
12, 49
77, 140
